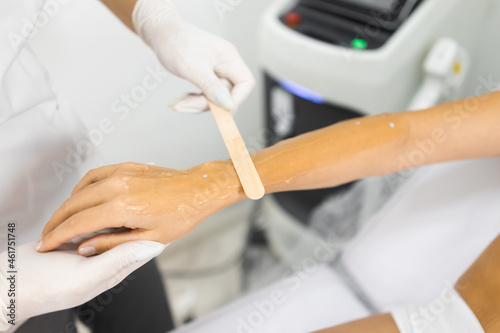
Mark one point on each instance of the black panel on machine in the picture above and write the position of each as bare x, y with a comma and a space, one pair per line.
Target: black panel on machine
369, 23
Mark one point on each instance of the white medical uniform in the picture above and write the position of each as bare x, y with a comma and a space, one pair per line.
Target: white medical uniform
37, 134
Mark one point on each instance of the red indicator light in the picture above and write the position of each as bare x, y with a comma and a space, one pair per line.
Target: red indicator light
293, 19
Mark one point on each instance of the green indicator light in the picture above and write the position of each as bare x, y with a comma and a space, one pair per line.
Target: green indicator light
359, 44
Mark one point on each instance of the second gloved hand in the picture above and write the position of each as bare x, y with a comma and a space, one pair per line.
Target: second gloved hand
211, 63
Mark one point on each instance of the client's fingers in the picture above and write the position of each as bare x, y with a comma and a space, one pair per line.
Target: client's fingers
89, 197
104, 242
85, 222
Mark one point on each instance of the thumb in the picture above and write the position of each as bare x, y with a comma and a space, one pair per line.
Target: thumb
215, 90
116, 264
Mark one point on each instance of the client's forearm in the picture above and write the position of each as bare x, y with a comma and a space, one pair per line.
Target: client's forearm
383, 144
336, 154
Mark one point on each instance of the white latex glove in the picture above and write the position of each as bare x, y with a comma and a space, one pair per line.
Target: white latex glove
211, 63
48, 282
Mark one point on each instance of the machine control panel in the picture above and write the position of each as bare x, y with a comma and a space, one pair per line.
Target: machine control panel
360, 24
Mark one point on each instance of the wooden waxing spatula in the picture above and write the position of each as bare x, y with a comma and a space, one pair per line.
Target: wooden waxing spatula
249, 178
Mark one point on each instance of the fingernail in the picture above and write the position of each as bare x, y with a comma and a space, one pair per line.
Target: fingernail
223, 99
87, 251
39, 239
149, 250
39, 244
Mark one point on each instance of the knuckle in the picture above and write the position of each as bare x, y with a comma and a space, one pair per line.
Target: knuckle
64, 206
123, 179
90, 173
120, 203
93, 173
130, 165
118, 182
119, 208
86, 178
116, 212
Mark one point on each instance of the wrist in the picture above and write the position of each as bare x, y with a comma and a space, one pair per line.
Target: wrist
223, 182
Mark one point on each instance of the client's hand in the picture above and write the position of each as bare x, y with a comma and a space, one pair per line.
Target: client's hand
60, 280
155, 203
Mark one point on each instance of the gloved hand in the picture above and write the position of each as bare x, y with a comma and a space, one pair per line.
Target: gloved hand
48, 282
211, 63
